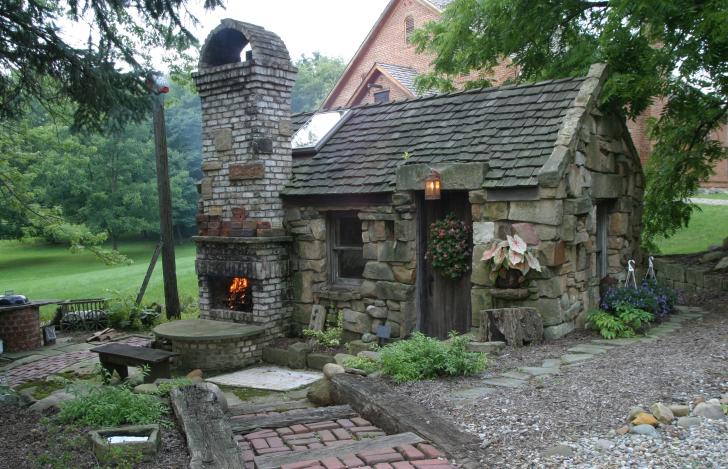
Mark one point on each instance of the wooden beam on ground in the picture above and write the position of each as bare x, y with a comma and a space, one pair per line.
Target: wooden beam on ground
395, 413
269, 406
286, 419
383, 442
207, 429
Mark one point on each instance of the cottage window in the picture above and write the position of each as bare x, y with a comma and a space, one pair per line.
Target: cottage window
346, 259
409, 28
381, 97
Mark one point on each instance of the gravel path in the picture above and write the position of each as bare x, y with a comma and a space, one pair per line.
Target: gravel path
701, 201
587, 401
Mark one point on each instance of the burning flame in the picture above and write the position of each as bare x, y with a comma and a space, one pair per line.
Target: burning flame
238, 292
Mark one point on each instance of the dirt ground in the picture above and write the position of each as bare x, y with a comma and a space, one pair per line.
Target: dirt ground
30, 440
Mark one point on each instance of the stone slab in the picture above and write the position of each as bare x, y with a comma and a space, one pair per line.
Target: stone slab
504, 382
570, 358
193, 330
588, 348
552, 362
267, 377
539, 370
517, 375
472, 393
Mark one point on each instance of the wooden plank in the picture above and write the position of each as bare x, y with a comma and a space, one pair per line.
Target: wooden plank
395, 413
269, 406
150, 270
383, 442
286, 419
207, 429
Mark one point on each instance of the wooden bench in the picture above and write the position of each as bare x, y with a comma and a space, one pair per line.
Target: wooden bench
117, 357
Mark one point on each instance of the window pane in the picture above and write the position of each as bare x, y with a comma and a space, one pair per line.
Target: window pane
351, 263
349, 231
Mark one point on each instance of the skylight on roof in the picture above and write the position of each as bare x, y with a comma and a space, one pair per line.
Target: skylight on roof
313, 133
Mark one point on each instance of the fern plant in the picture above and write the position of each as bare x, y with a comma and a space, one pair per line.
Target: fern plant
625, 322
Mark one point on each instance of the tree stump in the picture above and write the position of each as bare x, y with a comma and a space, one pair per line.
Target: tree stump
516, 326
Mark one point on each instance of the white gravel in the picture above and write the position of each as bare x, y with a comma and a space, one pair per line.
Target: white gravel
703, 446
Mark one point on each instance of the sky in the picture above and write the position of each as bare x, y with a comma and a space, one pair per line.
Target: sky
332, 27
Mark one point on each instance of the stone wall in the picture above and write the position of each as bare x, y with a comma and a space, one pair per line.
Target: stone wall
386, 294
691, 278
560, 217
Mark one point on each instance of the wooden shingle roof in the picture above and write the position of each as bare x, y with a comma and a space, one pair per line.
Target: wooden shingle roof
511, 128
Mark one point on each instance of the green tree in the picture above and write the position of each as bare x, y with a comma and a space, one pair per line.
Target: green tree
317, 75
105, 79
676, 49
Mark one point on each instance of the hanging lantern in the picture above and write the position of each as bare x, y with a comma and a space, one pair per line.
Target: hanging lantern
432, 186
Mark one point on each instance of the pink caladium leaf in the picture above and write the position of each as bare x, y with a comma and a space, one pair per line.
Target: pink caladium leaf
517, 244
522, 267
490, 252
533, 262
500, 256
514, 258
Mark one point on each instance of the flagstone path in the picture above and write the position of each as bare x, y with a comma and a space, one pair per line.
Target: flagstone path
576, 355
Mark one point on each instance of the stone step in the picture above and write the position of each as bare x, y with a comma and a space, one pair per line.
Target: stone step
517, 375
539, 370
588, 348
571, 358
374, 444
504, 382
269, 406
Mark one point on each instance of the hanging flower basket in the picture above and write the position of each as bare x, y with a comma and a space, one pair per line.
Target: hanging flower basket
509, 261
449, 247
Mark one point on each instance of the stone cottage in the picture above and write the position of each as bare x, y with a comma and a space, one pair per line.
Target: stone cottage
338, 217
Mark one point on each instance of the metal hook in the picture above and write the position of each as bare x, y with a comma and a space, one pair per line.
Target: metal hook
630, 274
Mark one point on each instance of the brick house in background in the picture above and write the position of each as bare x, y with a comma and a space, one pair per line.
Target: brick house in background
386, 64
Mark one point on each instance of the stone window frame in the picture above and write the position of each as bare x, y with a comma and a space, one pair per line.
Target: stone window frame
409, 28
380, 93
333, 220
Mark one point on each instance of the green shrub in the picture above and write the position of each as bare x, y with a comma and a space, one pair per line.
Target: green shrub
626, 321
109, 406
123, 313
331, 337
422, 357
367, 365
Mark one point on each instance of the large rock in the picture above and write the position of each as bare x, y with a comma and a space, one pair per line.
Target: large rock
686, 422
679, 410
646, 430
377, 271
317, 361
331, 369
709, 410
370, 354
662, 413
219, 395
298, 354
54, 400
320, 393
547, 212
340, 358
378, 312
356, 321
147, 388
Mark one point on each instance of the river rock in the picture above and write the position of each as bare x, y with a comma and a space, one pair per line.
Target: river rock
559, 450
54, 400
643, 418
320, 393
662, 413
371, 355
679, 410
340, 358
709, 410
194, 374
148, 388
686, 422
634, 412
647, 430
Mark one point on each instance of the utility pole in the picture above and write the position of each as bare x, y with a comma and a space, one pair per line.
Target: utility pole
169, 267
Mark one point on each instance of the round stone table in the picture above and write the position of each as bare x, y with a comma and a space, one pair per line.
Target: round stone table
212, 345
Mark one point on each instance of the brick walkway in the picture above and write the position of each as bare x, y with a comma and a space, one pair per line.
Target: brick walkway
43, 367
332, 433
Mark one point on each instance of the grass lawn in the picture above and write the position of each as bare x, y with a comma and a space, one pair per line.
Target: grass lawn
707, 227
52, 272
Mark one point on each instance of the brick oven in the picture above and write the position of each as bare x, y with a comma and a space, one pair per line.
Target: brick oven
244, 81
20, 326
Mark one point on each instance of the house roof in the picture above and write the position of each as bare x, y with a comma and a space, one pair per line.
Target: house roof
404, 75
511, 128
441, 4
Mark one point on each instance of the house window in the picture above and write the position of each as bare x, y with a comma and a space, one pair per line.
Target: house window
409, 28
381, 97
346, 259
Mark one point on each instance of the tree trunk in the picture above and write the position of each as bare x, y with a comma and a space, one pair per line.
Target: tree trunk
517, 326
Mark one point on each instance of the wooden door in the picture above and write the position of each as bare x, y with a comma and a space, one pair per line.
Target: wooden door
443, 304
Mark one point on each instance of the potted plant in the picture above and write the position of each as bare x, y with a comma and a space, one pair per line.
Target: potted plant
510, 260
